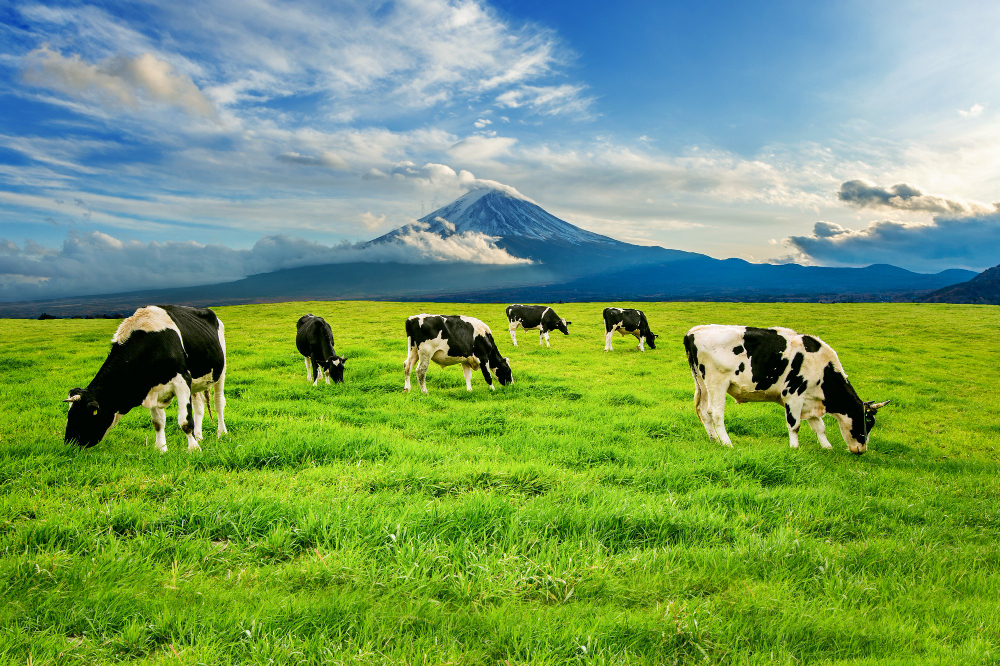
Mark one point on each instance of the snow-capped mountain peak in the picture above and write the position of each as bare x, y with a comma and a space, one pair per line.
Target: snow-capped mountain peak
501, 212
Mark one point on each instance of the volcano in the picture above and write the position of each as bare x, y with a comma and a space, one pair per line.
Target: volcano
560, 261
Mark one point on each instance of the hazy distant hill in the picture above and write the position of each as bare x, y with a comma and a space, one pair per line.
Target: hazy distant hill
984, 289
569, 263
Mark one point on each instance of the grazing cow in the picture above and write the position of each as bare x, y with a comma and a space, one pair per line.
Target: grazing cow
541, 317
800, 372
314, 340
156, 354
449, 340
627, 321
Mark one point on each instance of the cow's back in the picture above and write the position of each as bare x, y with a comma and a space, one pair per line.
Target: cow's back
314, 337
203, 339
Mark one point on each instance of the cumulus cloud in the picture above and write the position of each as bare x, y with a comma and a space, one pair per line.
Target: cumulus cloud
482, 122
975, 110
946, 242
97, 263
121, 80
865, 194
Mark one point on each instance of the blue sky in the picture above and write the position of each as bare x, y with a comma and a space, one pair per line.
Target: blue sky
176, 142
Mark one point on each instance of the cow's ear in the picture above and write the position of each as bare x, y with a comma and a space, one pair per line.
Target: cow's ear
567, 322
93, 406
343, 360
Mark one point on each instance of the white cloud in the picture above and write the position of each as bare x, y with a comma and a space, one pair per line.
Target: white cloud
975, 110
477, 149
482, 122
98, 263
370, 221
122, 81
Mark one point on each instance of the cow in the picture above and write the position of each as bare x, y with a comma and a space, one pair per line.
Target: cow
800, 372
450, 340
541, 317
314, 340
160, 352
627, 321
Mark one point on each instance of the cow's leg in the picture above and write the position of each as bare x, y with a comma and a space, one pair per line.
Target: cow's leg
546, 334
309, 374
642, 342
717, 412
317, 370
513, 333
219, 394
159, 418
793, 417
816, 423
484, 365
467, 371
411, 360
326, 376
700, 404
607, 341
198, 402
422, 365
183, 392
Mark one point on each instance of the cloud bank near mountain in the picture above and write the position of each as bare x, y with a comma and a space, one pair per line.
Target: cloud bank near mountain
95, 262
963, 234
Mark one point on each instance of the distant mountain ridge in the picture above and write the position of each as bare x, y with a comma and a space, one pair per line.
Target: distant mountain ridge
983, 289
567, 263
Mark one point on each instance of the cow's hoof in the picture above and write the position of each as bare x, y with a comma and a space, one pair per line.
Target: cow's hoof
194, 447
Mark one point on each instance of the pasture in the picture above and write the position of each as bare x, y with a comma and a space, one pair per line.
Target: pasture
578, 516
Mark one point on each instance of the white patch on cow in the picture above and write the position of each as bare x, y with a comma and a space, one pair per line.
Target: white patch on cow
309, 369
478, 327
336, 362
150, 319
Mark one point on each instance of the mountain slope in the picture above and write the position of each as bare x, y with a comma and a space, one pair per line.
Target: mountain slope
984, 289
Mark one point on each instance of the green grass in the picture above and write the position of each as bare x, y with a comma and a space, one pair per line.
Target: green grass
578, 516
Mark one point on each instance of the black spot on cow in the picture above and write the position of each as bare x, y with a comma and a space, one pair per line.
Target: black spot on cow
738, 349
741, 368
810, 343
795, 382
840, 397
692, 353
789, 417
764, 346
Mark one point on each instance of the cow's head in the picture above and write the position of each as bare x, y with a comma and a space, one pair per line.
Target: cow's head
503, 372
562, 324
650, 339
334, 368
86, 423
856, 428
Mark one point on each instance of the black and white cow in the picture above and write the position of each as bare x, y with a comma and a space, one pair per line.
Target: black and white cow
627, 321
778, 365
450, 340
156, 354
541, 317
314, 340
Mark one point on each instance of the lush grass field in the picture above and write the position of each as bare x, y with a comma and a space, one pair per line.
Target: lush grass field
579, 515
